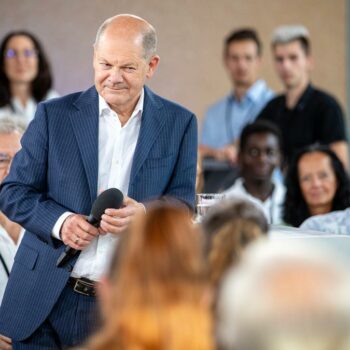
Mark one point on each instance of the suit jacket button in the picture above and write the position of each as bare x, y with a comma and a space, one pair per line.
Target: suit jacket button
69, 268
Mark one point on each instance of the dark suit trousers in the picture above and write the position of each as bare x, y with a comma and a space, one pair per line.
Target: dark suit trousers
69, 324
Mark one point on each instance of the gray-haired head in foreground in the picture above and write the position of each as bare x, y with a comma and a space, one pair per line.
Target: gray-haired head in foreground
10, 124
286, 294
149, 35
288, 33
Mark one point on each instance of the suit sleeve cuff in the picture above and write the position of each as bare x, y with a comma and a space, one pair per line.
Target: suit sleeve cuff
57, 228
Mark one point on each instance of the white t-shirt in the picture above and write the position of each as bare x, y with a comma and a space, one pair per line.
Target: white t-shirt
272, 206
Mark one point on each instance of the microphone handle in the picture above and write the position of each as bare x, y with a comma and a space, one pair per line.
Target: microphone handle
70, 252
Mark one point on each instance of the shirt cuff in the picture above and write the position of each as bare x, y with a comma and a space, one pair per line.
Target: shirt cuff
57, 228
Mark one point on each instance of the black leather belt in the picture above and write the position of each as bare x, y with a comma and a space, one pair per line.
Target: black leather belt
82, 286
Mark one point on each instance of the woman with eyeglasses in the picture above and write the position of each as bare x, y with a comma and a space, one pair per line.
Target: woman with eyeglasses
317, 183
25, 75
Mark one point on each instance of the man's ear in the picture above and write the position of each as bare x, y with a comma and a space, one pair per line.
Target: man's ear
152, 66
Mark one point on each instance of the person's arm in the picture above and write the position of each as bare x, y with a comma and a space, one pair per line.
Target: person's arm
332, 129
227, 153
24, 196
340, 148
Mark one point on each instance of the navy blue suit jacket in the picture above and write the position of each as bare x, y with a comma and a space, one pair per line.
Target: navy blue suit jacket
56, 171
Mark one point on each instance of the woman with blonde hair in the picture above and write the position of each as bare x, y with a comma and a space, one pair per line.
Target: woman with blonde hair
154, 296
229, 227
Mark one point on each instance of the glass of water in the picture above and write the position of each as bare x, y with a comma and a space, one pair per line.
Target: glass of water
203, 203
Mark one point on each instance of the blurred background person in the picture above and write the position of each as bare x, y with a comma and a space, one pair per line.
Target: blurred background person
286, 296
259, 155
154, 296
25, 75
317, 183
224, 121
11, 130
228, 228
304, 114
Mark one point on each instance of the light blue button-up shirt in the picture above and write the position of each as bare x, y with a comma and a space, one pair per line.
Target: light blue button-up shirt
224, 121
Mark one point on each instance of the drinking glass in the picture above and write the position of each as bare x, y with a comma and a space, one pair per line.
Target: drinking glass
203, 203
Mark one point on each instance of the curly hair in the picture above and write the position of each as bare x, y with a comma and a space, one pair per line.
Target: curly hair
295, 210
42, 82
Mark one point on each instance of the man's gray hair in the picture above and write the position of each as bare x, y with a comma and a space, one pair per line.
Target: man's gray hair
10, 124
286, 294
149, 36
288, 33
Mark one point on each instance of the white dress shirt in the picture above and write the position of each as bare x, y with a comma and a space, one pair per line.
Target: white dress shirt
272, 206
116, 147
7, 251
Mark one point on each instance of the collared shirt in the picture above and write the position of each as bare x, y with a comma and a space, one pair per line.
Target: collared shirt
225, 120
272, 206
336, 222
7, 252
116, 151
27, 112
317, 117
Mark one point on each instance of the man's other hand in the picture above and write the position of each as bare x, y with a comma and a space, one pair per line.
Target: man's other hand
5, 343
117, 220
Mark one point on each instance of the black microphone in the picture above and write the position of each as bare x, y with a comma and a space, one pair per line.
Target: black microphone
111, 198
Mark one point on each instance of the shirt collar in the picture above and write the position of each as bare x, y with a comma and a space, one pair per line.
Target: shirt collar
104, 109
304, 98
255, 91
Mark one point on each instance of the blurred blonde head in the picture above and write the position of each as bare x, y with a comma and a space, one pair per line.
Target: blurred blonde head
156, 287
229, 227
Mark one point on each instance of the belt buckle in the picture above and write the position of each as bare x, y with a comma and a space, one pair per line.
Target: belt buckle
82, 287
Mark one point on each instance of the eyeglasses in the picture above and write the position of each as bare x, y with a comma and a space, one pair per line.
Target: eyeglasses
27, 53
5, 160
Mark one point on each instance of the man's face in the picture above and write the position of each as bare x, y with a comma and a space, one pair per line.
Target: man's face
121, 70
292, 64
260, 156
242, 62
9, 146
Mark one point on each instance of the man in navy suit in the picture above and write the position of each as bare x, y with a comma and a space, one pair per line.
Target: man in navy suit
116, 134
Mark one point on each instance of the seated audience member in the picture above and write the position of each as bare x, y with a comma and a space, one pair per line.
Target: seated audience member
285, 296
304, 114
228, 228
154, 296
259, 155
25, 76
337, 222
317, 183
11, 131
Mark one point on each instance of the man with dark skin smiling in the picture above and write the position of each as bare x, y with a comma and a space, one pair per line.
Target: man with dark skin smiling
259, 155
117, 134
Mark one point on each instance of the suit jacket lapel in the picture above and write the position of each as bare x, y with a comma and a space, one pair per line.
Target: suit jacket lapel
152, 121
85, 126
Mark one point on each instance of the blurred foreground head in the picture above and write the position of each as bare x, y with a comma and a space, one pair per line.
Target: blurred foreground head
286, 295
229, 227
154, 295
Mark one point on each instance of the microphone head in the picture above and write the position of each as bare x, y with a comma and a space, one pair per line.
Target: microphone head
111, 198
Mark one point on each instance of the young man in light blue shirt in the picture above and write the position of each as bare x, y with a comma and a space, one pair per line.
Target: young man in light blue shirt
225, 119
